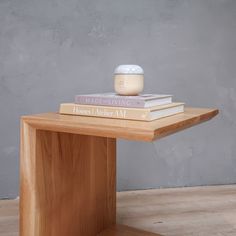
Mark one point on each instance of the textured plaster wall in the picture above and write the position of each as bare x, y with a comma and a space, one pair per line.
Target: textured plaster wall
51, 50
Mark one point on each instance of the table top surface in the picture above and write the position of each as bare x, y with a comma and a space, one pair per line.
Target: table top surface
117, 128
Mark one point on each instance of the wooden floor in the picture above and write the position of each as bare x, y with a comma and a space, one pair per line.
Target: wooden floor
199, 211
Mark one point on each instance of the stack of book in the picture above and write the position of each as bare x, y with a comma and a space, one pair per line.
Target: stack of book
144, 107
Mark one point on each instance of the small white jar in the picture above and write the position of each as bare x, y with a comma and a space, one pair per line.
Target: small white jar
129, 80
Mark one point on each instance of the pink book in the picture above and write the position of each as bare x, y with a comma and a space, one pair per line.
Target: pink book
114, 100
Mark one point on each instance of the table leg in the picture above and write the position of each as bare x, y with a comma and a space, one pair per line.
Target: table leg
67, 183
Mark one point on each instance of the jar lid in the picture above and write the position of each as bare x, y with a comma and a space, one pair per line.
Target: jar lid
128, 69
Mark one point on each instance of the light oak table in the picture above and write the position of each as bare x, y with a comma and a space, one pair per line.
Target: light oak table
68, 170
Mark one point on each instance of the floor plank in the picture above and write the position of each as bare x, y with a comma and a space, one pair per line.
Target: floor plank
123, 230
197, 211
8, 217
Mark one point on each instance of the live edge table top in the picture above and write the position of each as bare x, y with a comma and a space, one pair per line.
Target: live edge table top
117, 128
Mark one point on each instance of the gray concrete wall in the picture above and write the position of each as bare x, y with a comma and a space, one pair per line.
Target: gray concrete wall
51, 50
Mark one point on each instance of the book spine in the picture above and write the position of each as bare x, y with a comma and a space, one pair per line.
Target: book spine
108, 112
116, 102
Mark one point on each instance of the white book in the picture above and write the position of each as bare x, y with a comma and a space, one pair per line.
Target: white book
144, 114
115, 100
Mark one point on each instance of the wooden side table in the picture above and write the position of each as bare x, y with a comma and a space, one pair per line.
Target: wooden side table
68, 170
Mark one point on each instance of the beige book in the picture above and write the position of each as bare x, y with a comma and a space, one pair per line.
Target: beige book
145, 114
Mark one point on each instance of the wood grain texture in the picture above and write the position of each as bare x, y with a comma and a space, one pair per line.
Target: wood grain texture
27, 180
68, 170
116, 128
123, 230
68, 183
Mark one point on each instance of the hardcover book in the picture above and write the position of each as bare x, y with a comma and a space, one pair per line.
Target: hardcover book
144, 114
112, 99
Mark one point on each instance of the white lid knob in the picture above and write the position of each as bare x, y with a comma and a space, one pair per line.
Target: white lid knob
128, 69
